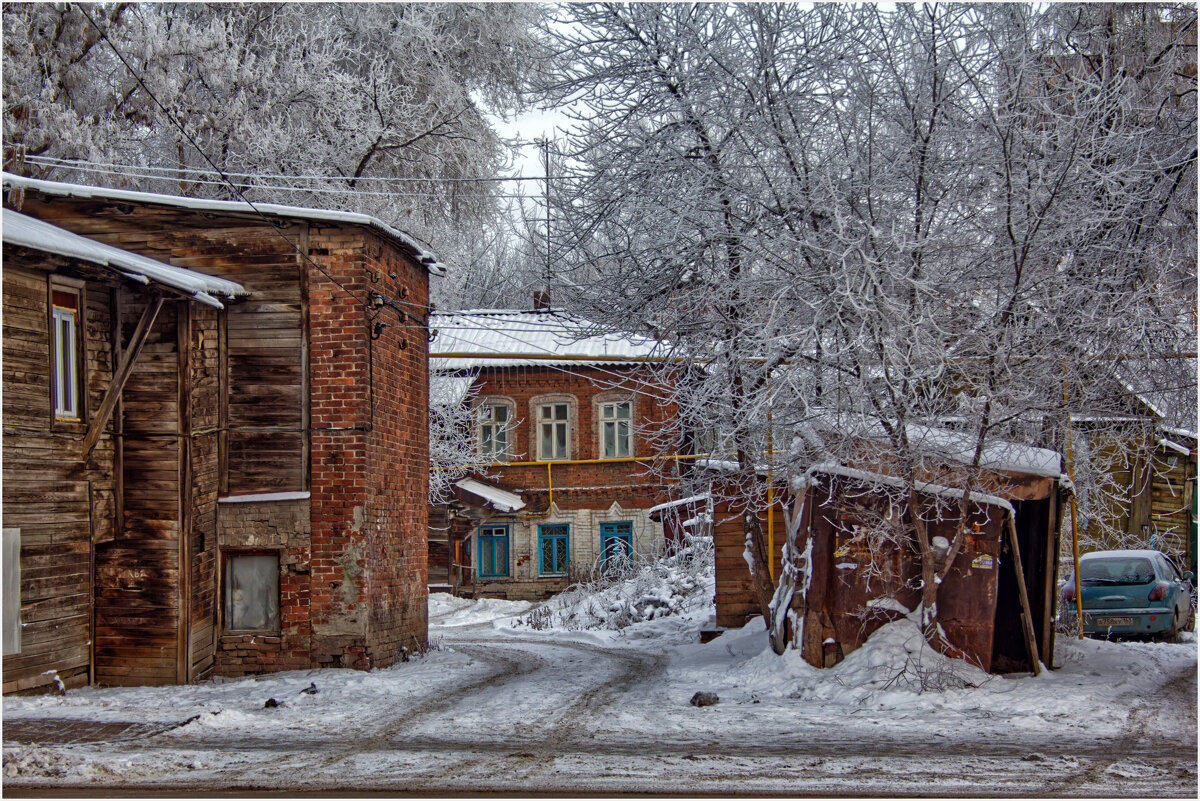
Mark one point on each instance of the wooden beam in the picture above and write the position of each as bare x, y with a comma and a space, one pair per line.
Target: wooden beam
128, 358
1026, 613
183, 328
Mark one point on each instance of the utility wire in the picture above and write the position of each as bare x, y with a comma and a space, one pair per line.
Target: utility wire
216, 169
52, 161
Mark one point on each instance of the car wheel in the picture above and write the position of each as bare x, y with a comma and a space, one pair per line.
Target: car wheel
1172, 634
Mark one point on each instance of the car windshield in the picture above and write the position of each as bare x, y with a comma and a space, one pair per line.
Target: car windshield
1117, 570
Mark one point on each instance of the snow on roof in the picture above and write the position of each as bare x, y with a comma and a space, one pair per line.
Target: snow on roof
693, 499
506, 338
938, 490
1112, 554
501, 500
25, 231
1175, 446
203, 204
1009, 457
449, 390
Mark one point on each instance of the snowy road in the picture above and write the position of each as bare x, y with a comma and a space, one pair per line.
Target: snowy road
567, 713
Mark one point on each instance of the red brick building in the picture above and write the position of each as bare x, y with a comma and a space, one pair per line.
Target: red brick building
574, 422
257, 492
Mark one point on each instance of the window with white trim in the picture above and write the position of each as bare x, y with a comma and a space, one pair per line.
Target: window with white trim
64, 351
616, 434
495, 426
554, 430
493, 551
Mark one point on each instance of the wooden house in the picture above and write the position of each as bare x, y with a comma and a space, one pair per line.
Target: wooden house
861, 578
233, 486
571, 422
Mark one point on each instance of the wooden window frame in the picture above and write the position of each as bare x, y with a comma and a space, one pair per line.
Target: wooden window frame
613, 531
562, 532
602, 424
508, 427
227, 555
60, 416
536, 405
492, 538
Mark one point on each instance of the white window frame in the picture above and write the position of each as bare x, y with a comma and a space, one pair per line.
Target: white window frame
539, 405
611, 419
486, 420
64, 357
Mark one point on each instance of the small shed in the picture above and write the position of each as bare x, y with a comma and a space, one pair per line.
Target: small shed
862, 578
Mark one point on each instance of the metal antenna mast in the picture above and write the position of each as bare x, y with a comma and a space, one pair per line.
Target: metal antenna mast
545, 143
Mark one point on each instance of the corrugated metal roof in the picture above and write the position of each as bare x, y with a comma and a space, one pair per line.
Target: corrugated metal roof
25, 231
203, 204
505, 338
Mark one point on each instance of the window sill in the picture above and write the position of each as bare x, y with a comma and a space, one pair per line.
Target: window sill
266, 497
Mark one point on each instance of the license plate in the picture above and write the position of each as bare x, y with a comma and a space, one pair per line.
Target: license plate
1113, 621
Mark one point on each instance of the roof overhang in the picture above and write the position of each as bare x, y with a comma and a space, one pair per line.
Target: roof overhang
422, 256
21, 230
481, 494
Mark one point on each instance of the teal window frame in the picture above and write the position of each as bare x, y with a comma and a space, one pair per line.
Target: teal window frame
552, 534
487, 542
620, 531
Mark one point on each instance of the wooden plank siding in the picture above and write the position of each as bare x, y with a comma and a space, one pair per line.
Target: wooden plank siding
49, 493
137, 574
122, 556
266, 401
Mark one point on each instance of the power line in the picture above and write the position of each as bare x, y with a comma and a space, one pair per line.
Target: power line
263, 187
51, 161
194, 144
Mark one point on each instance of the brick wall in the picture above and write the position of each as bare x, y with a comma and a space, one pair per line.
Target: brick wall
275, 527
369, 468
584, 495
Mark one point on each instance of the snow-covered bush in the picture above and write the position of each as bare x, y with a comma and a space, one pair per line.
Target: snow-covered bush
648, 588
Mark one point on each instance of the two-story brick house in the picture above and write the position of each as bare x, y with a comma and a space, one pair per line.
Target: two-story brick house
222, 479
574, 423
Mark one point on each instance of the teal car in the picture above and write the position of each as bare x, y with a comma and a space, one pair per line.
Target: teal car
1129, 594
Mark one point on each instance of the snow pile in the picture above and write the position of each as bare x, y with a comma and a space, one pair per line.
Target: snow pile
674, 586
448, 611
894, 667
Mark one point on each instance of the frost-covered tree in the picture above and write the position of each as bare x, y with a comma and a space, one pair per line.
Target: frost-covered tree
860, 224
372, 107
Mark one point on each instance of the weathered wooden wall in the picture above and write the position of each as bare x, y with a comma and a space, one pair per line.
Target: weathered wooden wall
219, 406
58, 502
138, 603
848, 572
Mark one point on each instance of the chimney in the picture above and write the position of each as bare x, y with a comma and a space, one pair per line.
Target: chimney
541, 300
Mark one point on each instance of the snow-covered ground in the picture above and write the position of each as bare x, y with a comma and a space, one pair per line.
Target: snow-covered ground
521, 700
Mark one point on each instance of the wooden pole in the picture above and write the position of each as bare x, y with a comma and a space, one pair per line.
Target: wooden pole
1026, 612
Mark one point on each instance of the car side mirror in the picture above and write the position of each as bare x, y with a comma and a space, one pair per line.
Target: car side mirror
1189, 577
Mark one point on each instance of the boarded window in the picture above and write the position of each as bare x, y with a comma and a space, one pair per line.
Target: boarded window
12, 591
252, 592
